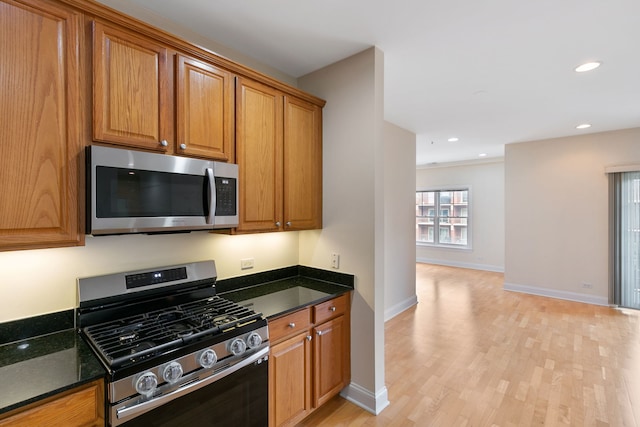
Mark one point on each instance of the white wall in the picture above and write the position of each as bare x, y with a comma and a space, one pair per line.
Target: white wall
43, 281
353, 209
557, 213
486, 182
399, 217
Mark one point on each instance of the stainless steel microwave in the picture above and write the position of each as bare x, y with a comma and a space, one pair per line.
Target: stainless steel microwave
138, 192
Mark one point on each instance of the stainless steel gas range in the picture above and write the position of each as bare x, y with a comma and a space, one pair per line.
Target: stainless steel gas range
175, 352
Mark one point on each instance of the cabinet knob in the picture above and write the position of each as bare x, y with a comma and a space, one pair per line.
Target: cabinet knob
288, 223
309, 337
292, 325
164, 143
183, 146
278, 224
319, 332
332, 308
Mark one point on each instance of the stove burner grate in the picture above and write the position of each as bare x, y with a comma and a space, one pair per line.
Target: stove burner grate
128, 340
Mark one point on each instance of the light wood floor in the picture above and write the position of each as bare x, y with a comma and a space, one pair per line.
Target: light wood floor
472, 354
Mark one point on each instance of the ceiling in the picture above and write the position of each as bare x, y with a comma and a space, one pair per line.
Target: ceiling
489, 72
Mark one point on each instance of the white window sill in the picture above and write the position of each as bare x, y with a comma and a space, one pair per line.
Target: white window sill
467, 248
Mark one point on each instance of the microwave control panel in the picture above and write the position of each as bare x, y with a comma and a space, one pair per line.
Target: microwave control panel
226, 196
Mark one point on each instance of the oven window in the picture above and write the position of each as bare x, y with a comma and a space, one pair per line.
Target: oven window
124, 193
240, 399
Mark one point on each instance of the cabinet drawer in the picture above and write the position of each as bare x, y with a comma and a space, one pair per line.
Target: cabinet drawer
289, 324
330, 309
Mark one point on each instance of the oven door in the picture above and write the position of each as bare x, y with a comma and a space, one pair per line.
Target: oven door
240, 398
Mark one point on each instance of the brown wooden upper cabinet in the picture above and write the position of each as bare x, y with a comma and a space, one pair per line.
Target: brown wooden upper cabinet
41, 119
302, 165
279, 151
150, 92
205, 110
259, 112
132, 102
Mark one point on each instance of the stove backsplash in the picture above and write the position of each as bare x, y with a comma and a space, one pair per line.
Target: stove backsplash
37, 282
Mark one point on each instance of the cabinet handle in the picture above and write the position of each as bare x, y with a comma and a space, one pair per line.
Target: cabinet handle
319, 333
183, 146
309, 337
332, 308
292, 325
164, 143
278, 224
288, 224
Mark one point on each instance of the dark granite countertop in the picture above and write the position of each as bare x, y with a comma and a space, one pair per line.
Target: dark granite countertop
44, 355
34, 367
282, 291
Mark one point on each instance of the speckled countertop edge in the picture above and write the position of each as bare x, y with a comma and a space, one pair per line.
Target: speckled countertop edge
38, 367
248, 287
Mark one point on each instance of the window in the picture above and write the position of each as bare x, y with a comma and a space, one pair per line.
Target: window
442, 217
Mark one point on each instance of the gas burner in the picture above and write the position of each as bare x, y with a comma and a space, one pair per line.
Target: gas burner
128, 329
142, 346
181, 329
220, 320
223, 320
170, 316
128, 338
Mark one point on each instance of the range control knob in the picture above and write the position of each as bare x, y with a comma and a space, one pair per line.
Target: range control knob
237, 347
254, 340
207, 358
146, 383
172, 372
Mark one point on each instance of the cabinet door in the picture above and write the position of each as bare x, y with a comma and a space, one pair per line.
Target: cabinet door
290, 380
41, 120
131, 92
259, 155
81, 407
330, 369
302, 165
205, 110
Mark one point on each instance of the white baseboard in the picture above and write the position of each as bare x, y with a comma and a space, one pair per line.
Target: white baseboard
370, 402
553, 293
392, 312
484, 267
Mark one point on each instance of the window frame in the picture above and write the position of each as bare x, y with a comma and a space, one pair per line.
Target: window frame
436, 220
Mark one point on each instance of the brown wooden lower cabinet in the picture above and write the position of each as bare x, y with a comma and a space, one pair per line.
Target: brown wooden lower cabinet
290, 372
80, 407
309, 360
329, 369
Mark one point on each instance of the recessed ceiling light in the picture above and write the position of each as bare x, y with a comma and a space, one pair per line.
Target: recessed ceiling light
482, 155
583, 126
453, 139
587, 67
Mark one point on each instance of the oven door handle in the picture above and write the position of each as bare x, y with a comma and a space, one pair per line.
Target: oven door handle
145, 406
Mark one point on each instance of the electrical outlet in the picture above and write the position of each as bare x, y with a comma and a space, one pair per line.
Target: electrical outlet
335, 260
246, 263
587, 286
